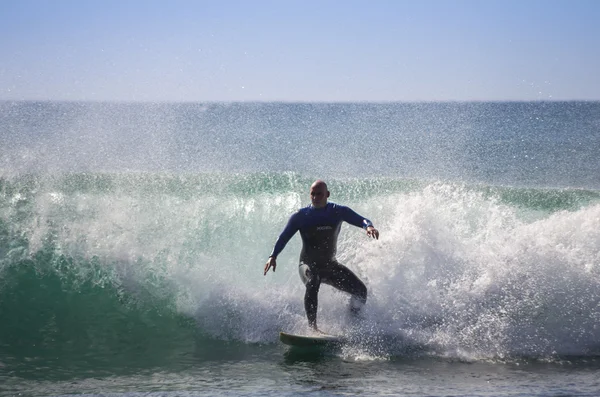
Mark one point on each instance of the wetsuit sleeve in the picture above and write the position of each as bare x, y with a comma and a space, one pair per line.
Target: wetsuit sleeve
290, 229
353, 218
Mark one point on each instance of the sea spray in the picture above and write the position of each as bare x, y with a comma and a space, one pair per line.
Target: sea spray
468, 271
466, 275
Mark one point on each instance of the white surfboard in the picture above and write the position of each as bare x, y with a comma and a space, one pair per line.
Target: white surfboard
316, 340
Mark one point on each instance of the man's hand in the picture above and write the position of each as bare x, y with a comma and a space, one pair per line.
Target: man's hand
271, 263
371, 232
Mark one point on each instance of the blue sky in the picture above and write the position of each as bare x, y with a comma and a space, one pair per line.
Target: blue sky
282, 50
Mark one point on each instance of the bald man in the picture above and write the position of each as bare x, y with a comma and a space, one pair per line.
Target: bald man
319, 225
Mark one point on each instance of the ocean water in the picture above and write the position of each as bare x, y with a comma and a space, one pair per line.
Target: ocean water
133, 239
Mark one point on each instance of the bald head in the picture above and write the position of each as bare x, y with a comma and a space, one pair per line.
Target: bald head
319, 194
319, 183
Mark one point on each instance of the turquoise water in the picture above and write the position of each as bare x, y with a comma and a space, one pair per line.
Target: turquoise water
133, 238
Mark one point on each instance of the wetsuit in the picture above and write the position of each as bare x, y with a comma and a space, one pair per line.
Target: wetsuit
319, 229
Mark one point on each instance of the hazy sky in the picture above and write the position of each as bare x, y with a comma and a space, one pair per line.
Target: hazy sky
253, 50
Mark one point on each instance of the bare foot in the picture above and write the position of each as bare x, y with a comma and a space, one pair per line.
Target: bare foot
317, 331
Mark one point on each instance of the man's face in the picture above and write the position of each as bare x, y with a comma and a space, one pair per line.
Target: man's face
319, 195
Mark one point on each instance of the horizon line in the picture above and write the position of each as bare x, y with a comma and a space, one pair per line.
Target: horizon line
296, 102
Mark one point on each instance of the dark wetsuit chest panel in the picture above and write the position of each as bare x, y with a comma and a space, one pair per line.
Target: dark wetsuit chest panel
319, 242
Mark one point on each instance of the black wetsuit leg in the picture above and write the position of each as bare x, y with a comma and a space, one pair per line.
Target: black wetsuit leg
311, 279
342, 278
336, 275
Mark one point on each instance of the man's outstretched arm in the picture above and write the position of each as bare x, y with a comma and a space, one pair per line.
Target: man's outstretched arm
348, 215
290, 229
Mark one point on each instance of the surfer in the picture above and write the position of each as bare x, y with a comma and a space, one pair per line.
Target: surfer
319, 225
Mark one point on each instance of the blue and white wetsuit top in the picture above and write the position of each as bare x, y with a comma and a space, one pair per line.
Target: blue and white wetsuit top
319, 229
